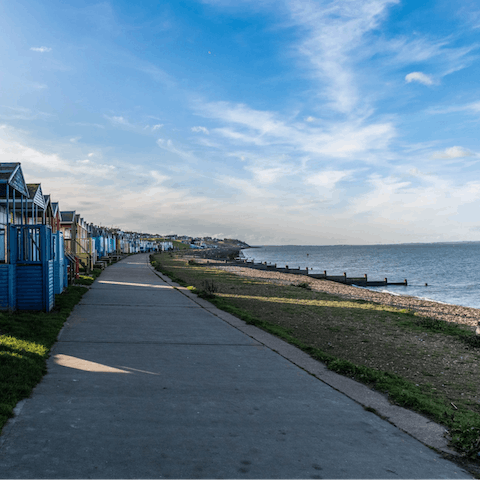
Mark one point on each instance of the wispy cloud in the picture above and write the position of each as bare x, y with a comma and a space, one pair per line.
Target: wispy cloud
22, 113
403, 203
168, 146
419, 77
269, 175
200, 129
473, 107
334, 31
262, 128
86, 124
453, 152
328, 179
40, 49
118, 121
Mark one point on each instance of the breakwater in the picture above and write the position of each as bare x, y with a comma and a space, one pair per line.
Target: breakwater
451, 271
362, 281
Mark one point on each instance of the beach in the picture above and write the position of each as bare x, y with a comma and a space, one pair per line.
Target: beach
450, 313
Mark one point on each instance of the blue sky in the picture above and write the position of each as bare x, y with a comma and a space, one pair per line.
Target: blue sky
277, 122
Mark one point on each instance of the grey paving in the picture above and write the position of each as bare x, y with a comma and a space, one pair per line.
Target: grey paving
145, 382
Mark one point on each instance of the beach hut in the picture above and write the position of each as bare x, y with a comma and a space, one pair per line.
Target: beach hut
26, 268
81, 243
13, 190
97, 234
36, 207
56, 217
59, 263
68, 228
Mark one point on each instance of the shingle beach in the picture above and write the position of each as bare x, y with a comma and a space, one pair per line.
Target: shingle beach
427, 308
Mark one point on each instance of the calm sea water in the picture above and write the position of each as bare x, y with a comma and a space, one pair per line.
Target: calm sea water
451, 270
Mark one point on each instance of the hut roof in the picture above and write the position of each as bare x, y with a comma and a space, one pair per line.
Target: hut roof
11, 174
67, 217
36, 195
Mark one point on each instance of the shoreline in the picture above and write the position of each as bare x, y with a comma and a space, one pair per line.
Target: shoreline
429, 308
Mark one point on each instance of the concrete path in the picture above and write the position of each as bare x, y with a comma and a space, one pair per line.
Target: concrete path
144, 382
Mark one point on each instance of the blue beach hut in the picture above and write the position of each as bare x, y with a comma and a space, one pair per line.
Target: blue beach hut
13, 190
26, 254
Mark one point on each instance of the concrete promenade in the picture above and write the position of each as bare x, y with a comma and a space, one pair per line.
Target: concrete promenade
147, 381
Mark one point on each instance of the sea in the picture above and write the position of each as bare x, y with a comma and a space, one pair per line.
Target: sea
443, 272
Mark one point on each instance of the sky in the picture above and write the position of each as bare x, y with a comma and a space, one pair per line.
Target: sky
303, 122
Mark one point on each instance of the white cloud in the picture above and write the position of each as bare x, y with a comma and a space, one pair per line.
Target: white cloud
118, 120
425, 205
85, 124
157, 127
41, 49
169, 147
453, 152
49, 165
263, 128
75, 139
327, 179
473, 107
267, 176
200, 129
335, 31
310, 119
21, 113
419, 77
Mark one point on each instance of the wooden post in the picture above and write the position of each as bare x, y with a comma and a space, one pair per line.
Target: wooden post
345, 276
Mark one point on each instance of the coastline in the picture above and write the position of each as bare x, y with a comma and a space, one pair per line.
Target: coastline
428, 308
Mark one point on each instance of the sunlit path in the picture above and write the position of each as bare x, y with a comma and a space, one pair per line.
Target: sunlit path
146, 383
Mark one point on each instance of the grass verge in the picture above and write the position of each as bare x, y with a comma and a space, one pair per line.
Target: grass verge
85, 279
25, 342
423, 364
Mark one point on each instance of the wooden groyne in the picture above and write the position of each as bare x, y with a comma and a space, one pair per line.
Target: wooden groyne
345, 279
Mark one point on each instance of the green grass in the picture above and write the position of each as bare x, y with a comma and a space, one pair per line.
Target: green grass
25, 342
88, 279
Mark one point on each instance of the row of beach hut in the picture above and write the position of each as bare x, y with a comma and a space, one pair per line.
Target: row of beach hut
43, 249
